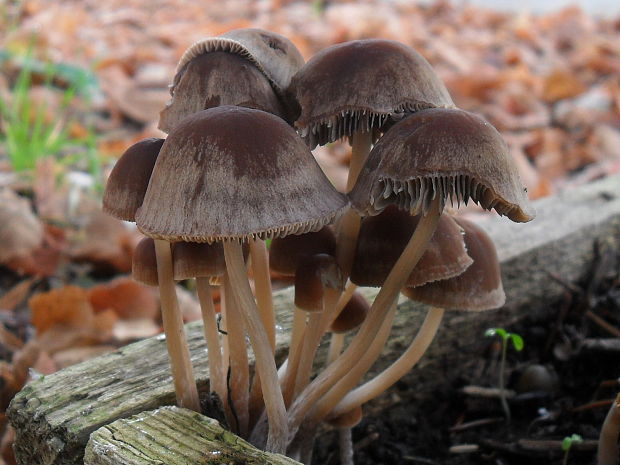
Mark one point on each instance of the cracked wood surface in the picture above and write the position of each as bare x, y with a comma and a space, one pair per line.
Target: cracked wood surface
55, 415
173, 435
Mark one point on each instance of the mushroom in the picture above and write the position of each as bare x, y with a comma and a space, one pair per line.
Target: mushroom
352, 315
231, 174
421, 162
123, 196
127, 183
217, 78
363, 83
478, 288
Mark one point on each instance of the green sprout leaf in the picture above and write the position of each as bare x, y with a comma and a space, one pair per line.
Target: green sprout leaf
517, 341
568, 441
501, 332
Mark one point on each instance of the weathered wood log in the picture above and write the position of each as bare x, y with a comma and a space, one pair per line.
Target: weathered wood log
172, 435
54, 416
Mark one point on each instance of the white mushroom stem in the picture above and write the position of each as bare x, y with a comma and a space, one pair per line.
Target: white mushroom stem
238, 379
361, 144
180, 363
368, 331
209, 318
336, 343
265, 363
294, 355
398, 369
262, 288
357, 371
317, 326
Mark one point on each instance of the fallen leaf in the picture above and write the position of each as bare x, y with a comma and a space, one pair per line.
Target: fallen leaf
20, 229
67, 306
126, 297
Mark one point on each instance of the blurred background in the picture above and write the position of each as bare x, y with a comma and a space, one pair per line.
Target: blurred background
82, 80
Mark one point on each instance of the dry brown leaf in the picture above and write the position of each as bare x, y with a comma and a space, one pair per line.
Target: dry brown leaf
44, 260
138, 328
126, 297
67, 306
560, 85
9, 340
106, 243
16, 295
6, 447
20, 230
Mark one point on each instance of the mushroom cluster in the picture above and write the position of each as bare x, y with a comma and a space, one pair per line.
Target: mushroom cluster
237, 169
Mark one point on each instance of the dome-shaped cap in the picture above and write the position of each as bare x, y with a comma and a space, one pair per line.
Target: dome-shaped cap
382, 239
273, 54
200, 260
446, 152
285, 252
197, 260
126, 186
352, 315
144, 263
357, 85
313, 275
478, 288
236, 173
214, 79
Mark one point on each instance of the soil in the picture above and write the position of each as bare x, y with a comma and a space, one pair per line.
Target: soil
572, 397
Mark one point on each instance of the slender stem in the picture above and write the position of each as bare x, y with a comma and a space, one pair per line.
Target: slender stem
262, 288
264, 301
317, 327
380, 307
294, 355
608, 440
265, 363
326, 404
398, 369
349, 290
239, 379
502, 392
362, 141
180, 363
345, 446
216, 373
336, 344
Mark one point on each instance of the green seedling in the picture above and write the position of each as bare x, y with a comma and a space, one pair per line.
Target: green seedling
567, 443
517, 343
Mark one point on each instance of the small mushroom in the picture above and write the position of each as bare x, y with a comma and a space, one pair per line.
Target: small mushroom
231, 174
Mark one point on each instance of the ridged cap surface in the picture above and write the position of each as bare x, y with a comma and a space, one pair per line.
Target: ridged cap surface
357, 85
236, 173
214, 79
446, 152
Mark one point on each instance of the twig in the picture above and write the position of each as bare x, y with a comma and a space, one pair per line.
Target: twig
475, 424
603, 324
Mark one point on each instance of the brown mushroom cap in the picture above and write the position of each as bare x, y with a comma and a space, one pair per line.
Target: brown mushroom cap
478, 288
447, 152
273, 54
313, 275
285, 252
382, 239
236, 173
144, 263
129, 179
357, 85
197, 260
215, 79
352, 315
